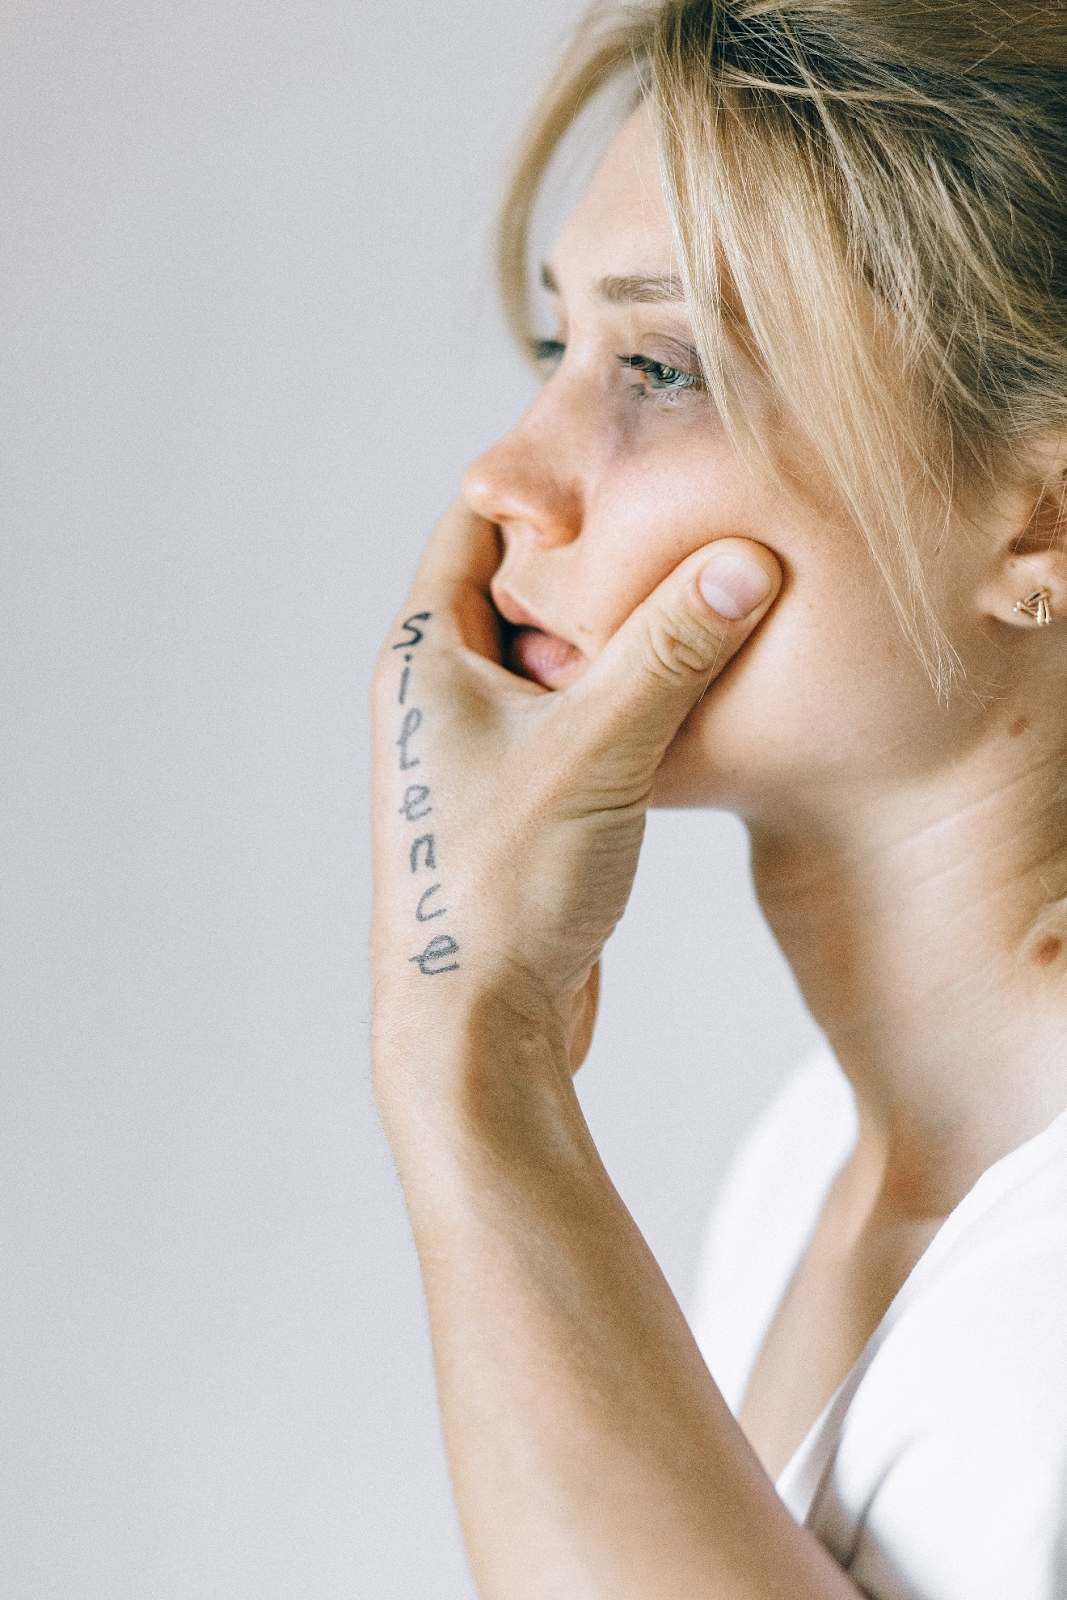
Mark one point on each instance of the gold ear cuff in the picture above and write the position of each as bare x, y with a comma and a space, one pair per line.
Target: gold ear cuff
1037, 606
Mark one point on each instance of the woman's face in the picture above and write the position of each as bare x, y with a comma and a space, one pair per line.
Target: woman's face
621, 468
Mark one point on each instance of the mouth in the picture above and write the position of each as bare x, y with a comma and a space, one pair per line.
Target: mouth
543, 657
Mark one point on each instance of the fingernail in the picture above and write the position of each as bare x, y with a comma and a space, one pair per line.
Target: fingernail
733, 585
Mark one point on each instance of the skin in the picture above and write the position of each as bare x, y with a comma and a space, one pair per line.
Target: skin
911, 857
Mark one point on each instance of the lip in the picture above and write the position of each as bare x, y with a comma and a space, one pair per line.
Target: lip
534, 651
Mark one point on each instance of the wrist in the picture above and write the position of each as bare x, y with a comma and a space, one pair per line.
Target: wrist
481, 1066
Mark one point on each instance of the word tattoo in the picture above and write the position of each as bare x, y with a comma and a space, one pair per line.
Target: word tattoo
416, 794
428, 916
416, 633
412, 723
425, 839
436, 951
438, 955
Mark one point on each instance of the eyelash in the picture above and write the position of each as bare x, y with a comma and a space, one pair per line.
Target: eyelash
663, 379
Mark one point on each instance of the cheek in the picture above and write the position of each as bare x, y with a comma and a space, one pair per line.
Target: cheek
641, 529
823, 693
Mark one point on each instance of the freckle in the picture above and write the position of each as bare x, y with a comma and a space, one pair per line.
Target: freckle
1047, 950
1020, 725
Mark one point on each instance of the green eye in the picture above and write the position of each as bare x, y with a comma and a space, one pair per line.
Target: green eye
661, 378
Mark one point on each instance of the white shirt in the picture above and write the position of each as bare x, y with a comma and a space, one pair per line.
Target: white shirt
939, 1469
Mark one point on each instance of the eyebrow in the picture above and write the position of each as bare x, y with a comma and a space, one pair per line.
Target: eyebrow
637, 289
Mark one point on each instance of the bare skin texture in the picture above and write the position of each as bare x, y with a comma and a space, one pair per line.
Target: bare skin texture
911, 858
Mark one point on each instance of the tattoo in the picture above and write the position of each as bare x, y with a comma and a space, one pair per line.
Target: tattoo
416, 794
416, 633
429, 915
428, 860
436, 951
437, 956
412, 721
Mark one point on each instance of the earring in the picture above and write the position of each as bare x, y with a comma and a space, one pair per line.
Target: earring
1037, 606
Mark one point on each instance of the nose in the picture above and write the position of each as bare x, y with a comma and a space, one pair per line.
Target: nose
533, 481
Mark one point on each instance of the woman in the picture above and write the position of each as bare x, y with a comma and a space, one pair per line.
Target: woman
784, 532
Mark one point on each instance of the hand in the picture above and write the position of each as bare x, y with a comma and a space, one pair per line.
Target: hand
590, 1450
507, 818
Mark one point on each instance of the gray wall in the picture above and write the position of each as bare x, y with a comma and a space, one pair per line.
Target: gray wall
247, 348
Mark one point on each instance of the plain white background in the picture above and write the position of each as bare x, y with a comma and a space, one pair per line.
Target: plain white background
247, 347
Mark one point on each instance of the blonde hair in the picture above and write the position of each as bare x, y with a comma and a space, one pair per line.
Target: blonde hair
869, 199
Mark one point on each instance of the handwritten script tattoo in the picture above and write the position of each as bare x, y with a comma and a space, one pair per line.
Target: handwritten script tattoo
416, 633
436, 951
415, 796
437, 956
412, 723
425, 839
428, 916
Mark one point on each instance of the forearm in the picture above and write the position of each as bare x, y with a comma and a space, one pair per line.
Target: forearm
591, 1452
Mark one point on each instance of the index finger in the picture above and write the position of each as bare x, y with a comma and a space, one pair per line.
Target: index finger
452, 580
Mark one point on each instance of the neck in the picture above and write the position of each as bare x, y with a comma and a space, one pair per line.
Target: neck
928, 932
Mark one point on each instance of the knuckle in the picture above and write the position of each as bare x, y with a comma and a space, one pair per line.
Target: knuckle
682, 646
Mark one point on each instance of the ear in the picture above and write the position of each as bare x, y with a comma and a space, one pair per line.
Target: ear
1031, 560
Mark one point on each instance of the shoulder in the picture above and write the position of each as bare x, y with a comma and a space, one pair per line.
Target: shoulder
764, 1214
950, 1472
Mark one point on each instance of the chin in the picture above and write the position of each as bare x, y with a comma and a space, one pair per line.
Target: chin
677, 792
687, 779
713, 763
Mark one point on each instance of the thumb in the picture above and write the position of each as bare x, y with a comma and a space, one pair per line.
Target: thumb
655, 668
